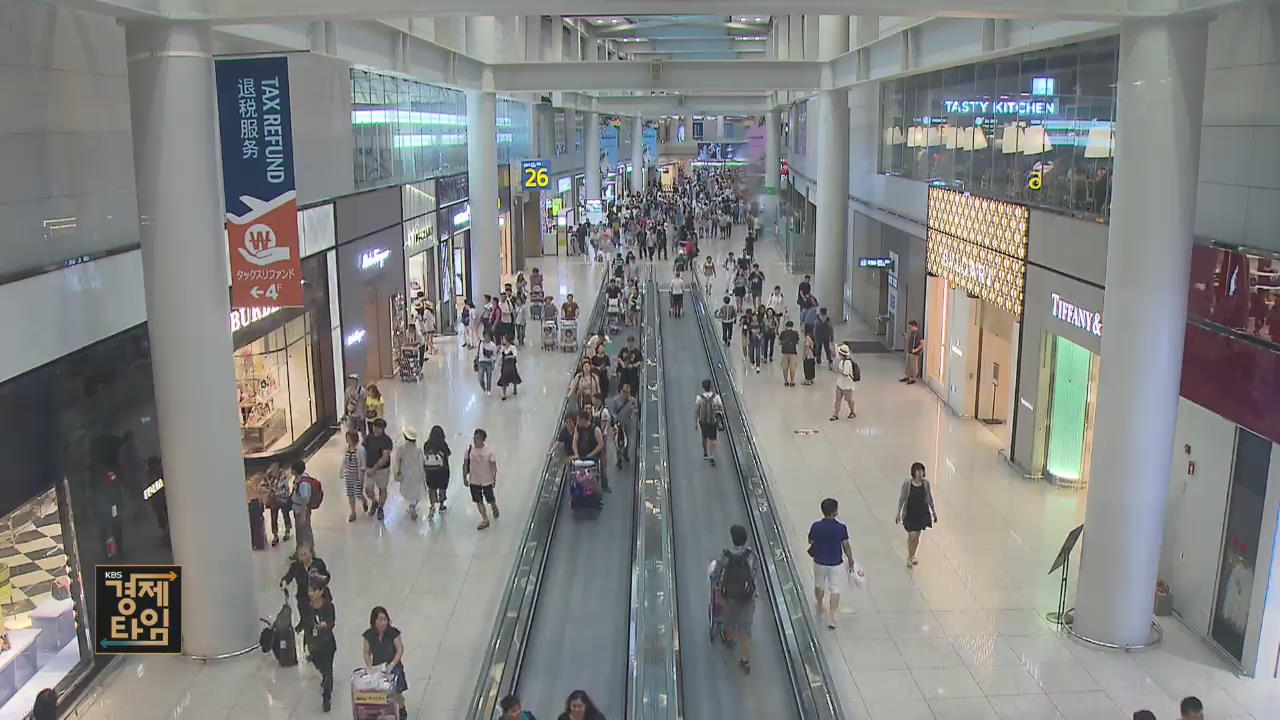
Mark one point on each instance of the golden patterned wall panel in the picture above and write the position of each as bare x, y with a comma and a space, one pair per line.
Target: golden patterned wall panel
981, 271
993, 224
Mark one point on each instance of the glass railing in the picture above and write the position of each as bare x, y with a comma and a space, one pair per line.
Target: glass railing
654, 686
500, 668
815, 695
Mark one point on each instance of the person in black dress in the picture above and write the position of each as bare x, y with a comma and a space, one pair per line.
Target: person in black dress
435, 458
305, 570
383, 646
509, 374
915, 510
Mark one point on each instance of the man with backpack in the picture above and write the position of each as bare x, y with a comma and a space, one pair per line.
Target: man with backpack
707, 410
727, 314
307, 496
733, 580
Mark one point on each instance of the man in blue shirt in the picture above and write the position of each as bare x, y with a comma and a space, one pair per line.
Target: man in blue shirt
828, 542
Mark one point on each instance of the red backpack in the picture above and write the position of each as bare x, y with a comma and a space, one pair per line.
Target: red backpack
317, 492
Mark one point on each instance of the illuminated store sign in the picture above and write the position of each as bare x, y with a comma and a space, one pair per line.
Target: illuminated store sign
1087, 320
354, 337
979, 244
1032, 108
374, 258
880, 263
243, 317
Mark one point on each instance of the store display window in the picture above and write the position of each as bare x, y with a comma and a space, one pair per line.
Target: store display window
40, 603
275, 387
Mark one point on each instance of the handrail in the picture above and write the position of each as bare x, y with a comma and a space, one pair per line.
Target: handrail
654, 691
810, 676
500, 668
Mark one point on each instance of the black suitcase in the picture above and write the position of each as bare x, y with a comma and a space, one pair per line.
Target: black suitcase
279, 638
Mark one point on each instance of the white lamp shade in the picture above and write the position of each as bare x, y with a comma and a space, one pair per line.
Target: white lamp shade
913, 136
950, 137
1035, 141
1101, 143
896, 138
971, 138
933, 136
1011, 140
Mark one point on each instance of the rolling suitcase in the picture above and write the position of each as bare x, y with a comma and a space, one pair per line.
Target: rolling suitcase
278, 637
584, 487
257, 525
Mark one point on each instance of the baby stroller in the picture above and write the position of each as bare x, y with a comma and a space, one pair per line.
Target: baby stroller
613, 314
715, 609
584, 486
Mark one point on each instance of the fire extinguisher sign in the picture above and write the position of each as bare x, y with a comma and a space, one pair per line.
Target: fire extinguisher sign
258, 182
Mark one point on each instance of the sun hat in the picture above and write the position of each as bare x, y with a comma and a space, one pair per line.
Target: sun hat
843, 350
410, 434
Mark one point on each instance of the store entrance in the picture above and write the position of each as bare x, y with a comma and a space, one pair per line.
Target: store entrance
997, 353
1073, 392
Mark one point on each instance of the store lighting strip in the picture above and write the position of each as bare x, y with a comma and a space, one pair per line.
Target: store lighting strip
985, 273
993, 224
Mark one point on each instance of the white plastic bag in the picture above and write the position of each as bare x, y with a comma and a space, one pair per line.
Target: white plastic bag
857, 576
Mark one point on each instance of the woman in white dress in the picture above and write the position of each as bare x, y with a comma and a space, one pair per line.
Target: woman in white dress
410, 471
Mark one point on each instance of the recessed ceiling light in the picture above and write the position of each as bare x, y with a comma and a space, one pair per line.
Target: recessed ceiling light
759, 19
614, 20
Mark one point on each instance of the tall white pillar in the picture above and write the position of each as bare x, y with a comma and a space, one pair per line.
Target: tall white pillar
546, 130
833, 36
1160, 98
637, 154
688, 127
782, 36
795, 28
811, 37
482, 179
179, 188
482, 38
772, 165
720, 128
833, 199
557, 39
591, 153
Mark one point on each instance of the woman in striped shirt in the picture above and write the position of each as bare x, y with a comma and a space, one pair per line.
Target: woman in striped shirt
353, 469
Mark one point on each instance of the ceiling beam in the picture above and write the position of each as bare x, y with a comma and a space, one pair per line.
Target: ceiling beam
652, 106
672, 75
256, 11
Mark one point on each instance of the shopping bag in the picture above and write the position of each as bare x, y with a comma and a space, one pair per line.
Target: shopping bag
857, 576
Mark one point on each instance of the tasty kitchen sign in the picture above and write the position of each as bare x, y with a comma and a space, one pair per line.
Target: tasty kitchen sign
258, 182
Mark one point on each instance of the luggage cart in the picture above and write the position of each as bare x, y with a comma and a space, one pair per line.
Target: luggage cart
409, 364
568, 335
550, 335
373, 695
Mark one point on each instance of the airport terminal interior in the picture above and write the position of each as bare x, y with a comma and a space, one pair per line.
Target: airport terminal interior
640, 360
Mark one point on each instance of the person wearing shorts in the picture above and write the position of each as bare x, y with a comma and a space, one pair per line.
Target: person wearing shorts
706, 409
377, 456
480, 474
828, 542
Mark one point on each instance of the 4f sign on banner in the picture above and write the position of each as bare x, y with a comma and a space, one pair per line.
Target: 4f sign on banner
258, 182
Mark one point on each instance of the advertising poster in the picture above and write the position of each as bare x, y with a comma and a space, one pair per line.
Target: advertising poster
756, 135
608, 145
258, 182
650, 137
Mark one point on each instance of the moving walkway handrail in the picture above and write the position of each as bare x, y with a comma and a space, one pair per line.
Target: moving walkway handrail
810, 677
500, 669
654, 656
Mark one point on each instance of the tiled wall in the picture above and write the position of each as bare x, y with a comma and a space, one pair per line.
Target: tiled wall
66, 158
1239, 194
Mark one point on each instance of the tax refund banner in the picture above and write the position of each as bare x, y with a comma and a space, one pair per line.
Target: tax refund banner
258, 182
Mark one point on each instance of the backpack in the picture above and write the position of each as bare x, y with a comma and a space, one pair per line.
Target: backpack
855, 373
707, 409
317, 492
736, 581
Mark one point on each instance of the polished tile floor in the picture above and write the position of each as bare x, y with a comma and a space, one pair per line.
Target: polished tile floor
960, 637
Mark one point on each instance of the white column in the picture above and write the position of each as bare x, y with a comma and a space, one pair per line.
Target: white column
688, 127
772, 164
795, 28
811, 37
637, 154
179, 188
482, 38
833, 199
1160, 97
557, 39
533, 38
782, 36
591, 153
833, 36
482, 179
546, 130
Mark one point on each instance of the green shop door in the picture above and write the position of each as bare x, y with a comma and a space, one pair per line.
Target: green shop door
1066, 457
